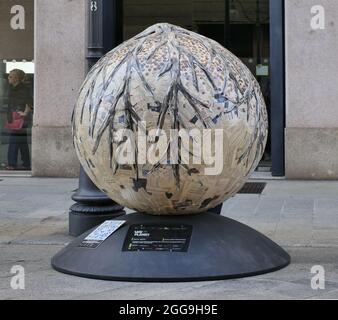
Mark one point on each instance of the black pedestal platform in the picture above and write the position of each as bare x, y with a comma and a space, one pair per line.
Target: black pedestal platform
219, 248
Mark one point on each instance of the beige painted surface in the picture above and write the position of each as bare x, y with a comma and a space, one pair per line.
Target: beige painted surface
60, 51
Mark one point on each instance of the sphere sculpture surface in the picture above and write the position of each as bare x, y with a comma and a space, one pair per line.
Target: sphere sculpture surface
170, 122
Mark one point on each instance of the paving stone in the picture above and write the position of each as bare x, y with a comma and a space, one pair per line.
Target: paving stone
294, 206
326, 206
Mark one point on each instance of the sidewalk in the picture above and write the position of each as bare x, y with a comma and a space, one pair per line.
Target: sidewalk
300, 216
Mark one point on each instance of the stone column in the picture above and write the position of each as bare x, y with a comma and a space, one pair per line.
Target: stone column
311, 90
60, 57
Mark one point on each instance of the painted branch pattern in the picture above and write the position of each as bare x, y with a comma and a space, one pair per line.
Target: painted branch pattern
178, 79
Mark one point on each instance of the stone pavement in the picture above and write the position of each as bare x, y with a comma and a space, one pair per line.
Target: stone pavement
300, 216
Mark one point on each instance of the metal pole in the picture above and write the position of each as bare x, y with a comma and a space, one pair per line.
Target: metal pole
277, 84
92, 205
95, 32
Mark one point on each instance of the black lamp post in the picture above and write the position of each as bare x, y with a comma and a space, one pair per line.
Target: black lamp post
95, 32
92, 205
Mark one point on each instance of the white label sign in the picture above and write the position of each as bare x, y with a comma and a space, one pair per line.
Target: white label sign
101, 233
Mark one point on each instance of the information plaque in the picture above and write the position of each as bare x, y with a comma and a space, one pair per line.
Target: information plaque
154, 237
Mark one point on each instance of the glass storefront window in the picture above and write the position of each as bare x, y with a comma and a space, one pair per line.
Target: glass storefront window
16, 83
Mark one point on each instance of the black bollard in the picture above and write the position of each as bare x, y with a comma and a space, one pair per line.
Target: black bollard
92, 207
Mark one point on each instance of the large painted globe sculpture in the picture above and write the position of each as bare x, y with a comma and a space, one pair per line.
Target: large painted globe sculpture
170, 123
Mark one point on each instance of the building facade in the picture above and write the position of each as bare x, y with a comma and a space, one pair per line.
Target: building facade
289, 45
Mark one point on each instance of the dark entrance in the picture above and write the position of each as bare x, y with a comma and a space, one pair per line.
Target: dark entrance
252, 29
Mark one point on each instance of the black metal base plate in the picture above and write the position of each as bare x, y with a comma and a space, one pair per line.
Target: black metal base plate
220, 248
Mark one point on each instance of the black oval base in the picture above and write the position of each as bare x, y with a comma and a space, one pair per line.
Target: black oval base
220, 248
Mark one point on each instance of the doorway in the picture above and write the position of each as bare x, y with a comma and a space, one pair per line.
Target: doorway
252, 29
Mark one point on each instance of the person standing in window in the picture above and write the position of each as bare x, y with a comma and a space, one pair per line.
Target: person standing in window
20, 101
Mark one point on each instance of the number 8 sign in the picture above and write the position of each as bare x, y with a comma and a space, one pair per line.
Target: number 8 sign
93, 6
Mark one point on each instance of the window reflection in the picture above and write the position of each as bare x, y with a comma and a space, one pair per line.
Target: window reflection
16, 115
16, 83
